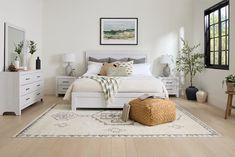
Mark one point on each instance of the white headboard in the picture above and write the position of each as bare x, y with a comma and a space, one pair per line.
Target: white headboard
116, 54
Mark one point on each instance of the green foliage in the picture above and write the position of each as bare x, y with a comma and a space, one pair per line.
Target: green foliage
19, 47
230, 78
32, 47
190, 62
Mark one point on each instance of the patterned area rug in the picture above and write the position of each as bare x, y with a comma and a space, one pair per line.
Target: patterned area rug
60, 121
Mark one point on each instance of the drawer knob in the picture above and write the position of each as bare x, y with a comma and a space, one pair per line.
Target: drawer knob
38, 76
27, 89
65, 88
38, 93
65, 81
28, 99
27, 79
38, 85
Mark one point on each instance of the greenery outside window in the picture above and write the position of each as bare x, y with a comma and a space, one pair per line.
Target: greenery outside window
217, 36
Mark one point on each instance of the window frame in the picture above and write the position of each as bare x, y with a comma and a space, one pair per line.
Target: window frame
207, 37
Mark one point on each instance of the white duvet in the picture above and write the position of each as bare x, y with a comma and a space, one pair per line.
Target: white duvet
131, 84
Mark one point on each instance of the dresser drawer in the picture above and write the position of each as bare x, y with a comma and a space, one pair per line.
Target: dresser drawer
29, 88
30, 77
171, 90
65, 82
31, 98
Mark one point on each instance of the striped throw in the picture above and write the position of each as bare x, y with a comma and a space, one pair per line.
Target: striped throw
110, 85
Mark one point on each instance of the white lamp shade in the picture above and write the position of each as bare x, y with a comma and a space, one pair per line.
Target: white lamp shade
165, 59
70, 57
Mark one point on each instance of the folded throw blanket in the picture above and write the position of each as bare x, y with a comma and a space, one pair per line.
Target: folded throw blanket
110, 86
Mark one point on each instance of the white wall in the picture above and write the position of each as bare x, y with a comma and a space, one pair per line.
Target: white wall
72, 26
26, 14
211, 80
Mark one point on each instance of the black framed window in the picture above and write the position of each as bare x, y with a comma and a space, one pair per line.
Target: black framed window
217, 36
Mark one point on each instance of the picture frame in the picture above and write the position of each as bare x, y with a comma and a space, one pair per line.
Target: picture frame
118, 31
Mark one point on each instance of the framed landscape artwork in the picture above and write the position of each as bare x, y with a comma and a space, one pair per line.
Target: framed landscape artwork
118, 31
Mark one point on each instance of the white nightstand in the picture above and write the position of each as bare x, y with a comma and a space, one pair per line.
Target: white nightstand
172, 85
63, 83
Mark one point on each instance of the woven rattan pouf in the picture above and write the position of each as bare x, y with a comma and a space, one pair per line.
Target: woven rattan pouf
152, 111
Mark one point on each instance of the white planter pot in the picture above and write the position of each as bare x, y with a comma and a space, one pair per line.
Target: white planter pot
201, 96
17, 64
31, 63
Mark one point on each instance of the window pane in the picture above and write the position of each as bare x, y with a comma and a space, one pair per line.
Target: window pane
227, 28
223, 42
212, 45
212, 31
227, 11
216, 27
216, 16
223, 58
227, 60
212, 58
227, 46
216, 44
211, 18
223, 13
216, 58
223, 28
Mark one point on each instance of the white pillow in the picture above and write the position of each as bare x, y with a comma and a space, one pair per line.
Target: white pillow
94, 67
142, 69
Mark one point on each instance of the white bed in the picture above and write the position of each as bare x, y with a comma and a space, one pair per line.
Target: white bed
87, 93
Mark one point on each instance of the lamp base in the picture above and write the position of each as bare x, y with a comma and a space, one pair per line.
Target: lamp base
68, 70
166, 71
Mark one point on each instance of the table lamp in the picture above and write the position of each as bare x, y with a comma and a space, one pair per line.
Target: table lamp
166, 59
69, 58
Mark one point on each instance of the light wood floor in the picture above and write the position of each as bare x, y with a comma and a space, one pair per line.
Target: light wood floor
118, 147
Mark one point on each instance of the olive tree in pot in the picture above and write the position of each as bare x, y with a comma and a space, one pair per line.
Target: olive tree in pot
190, 63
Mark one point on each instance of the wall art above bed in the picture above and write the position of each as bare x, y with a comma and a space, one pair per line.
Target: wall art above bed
118, 31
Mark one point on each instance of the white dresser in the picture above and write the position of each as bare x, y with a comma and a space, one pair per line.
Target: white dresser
63, 83
20, 90
172, 85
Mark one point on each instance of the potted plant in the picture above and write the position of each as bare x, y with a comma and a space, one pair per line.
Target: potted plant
190, 63
18, 49
32, 49
230, 82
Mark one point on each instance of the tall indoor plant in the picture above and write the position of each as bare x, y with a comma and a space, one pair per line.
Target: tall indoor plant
190, 63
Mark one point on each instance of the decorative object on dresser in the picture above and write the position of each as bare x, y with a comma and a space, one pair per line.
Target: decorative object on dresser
14, 38
118, 31
201, 96
69, 58
167, 60
190, 63
63, 83
32, 49
230, 82
20, 90
172, 85
38, 63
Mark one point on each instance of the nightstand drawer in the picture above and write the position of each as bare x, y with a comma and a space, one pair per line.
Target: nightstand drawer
169, 82
65, 82
171, 90
63, 88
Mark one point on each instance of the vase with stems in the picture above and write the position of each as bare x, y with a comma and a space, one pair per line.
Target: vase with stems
32, 49
18, 49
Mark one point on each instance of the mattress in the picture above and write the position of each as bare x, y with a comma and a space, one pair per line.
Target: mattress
133, 84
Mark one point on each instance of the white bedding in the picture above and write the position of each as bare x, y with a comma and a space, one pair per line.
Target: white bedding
131, 84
